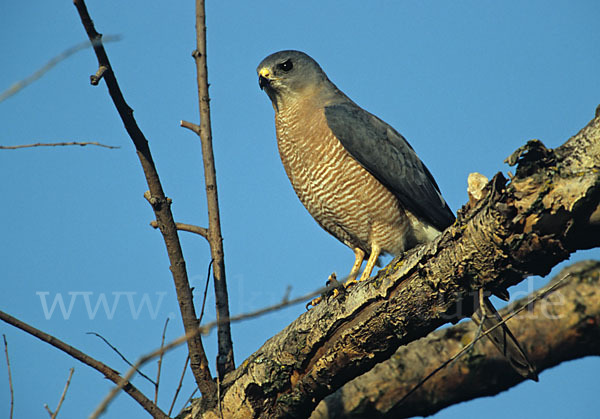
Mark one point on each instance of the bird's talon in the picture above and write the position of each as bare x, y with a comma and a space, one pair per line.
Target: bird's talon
350, 283
313, 302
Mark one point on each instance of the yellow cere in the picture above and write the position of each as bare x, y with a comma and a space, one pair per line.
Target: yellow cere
264, 72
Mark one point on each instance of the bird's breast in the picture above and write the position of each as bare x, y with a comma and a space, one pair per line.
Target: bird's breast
342, 196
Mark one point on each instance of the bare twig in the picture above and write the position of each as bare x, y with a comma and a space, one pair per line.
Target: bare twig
188, 401
202, 329
10, 384
121, 355
95, 78
225, 362
162, 343
480, 335
187, 227
205, 292
62, 397
79, 143
285, 302
16, 87
138, 364
190, 125
161, 206
187, 359
108, 372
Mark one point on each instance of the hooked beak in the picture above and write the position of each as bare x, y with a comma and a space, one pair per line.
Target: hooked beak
263, 82
263, 78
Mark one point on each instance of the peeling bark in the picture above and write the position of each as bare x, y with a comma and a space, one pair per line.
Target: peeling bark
561, 327
518, 228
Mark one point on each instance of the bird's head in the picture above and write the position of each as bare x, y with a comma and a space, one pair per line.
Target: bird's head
286, 75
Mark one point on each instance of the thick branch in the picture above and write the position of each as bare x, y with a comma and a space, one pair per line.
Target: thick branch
161, 206
225, 357
562, 327
518, 229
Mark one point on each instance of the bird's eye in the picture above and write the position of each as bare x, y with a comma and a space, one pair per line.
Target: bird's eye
286, 65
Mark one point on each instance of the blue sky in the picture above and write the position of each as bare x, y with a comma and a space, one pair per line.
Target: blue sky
466, 82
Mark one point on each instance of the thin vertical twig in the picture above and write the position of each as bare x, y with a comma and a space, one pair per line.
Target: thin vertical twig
10, 384
160, 359
205, 292
225, 362
161, 206
187, 359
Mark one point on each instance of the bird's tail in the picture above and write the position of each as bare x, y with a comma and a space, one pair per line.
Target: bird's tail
503, 339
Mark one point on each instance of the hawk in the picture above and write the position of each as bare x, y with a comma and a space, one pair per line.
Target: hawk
356, 175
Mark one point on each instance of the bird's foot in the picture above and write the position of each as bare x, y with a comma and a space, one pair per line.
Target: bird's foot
352, 281
333, 287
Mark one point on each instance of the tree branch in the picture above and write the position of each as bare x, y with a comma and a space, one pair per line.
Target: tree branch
160, 359
187, 227
225, 361
10, 384
54, 414
557, 329
161, 206
104, 369
18, 86
521, 228
115, 350
79, 143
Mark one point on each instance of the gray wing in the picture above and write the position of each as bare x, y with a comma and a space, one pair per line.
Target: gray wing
387, 155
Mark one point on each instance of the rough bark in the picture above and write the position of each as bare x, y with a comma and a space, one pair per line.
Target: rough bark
561, 327
519, 228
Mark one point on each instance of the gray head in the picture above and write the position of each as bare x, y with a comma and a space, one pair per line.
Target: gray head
288, 74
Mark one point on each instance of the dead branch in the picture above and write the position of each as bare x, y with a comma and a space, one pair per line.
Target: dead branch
20, 85
187, 359
10, 384
160, 359
519, 228
187, 227
553, 331
225, 361
122, 385
162, 209
104, 369
79, 143
121, 355
54, 414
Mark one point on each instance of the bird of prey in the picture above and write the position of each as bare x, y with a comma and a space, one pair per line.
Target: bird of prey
356, 175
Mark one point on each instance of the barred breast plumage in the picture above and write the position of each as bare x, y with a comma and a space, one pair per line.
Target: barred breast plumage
343, 197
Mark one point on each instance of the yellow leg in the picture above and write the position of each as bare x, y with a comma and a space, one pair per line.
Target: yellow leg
375, 251
359, 257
